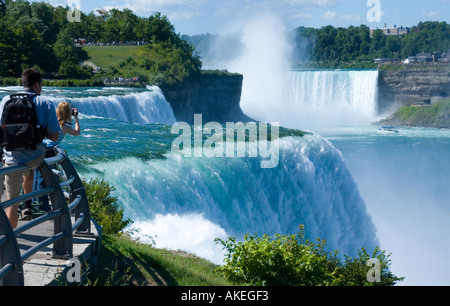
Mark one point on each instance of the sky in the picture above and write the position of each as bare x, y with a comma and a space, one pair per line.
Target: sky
214, 16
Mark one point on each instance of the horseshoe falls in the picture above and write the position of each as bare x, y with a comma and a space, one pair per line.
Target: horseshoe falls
314, 99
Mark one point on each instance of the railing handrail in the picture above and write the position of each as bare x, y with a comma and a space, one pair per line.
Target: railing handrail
11, 261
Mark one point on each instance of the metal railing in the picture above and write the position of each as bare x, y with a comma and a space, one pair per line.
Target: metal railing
11, 260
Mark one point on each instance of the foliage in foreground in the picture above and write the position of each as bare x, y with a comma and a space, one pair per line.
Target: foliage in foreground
292, 260
125, 262
282, 260
105, 208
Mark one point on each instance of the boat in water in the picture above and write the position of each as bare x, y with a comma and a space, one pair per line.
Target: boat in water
388, 129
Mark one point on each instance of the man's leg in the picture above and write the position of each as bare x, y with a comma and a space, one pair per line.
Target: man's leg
28, 182
12, 214
13, 184
27, 186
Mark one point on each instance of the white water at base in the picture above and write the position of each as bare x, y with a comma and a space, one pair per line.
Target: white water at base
192, 233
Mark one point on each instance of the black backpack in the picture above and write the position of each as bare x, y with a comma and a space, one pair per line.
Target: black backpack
19, 125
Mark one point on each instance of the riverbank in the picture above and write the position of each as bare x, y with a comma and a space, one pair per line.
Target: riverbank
93, 82
433, 116
127, 262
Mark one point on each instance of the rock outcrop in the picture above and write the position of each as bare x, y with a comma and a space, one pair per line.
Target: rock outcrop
410, 85
216, 96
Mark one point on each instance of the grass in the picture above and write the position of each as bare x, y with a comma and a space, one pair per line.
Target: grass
125, 262
107, 56
436, 115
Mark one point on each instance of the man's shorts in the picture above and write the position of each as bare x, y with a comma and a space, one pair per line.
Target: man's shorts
13, 181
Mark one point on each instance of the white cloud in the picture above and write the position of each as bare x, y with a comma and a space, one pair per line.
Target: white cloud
334, 15
183, 15
301, 16
329, 15
350, 17
320, 3
153, 5
430, 14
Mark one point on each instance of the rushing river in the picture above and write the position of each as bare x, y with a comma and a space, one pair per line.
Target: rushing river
345, 181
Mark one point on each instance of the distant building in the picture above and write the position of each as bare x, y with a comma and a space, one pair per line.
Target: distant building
424, 57
410, 60
445, 57
392, 30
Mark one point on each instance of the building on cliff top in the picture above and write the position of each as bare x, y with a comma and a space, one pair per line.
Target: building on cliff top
392, 30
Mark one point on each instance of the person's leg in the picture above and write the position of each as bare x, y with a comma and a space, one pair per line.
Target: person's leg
13, 215
2, 180
28, 182
37, 185
27, 185
13, 185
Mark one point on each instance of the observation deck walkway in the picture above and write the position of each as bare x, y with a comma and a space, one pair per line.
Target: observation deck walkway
57, 247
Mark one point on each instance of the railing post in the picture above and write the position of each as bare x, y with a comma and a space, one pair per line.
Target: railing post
10, 254
77, 188
62, 248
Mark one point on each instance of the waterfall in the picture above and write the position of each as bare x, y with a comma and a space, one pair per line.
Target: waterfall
317, 98
185, 202
144, 107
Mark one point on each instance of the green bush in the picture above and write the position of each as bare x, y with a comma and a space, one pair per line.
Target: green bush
10, 81
292, 260
104, 208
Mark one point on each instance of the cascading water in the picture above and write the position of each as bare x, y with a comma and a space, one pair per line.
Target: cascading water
184, 203
234, 196
143, 107
319, 98
335, 90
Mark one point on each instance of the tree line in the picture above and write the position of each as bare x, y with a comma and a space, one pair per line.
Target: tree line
338, 47
40, 35
330, 46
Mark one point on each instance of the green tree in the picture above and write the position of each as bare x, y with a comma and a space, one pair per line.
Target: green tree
324, 49
64, 48
2, 8
292, 260
104, 207
393, 46
68, 56
10, 56
42, 17
94, 27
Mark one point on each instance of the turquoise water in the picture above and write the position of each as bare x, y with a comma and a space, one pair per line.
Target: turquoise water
404, 181
163, 191
349, 185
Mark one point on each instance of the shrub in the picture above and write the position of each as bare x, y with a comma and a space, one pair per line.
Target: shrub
292, 260
104, 208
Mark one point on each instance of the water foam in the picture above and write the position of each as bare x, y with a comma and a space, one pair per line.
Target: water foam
191, 233
234, 196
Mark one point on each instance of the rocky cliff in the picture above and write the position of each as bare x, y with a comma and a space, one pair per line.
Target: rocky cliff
410, 85
216, 96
